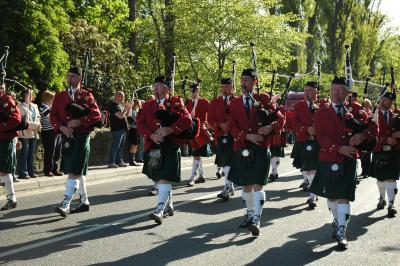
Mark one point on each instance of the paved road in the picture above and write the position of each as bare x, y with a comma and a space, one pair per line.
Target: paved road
203, 231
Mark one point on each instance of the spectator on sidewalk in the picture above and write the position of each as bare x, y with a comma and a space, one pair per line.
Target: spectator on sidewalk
50, 139
28, 136
133, 137
119, 128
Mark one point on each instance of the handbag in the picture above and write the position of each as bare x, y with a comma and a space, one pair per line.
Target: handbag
155, 159
336, 172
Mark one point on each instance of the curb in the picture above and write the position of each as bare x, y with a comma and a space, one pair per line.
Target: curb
95, 174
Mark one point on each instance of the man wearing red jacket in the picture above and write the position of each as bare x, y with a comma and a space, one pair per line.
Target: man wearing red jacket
218, 117
74, 114
198, 108
162, 160
10, 118
385, 157
251, 142
336, 173
307, 148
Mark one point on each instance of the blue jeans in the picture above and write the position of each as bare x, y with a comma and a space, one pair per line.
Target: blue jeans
26, 157
117, 147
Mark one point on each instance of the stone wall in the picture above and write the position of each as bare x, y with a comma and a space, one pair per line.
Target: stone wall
100, 146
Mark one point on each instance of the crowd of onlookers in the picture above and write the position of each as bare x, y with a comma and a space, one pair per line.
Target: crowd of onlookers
126, 142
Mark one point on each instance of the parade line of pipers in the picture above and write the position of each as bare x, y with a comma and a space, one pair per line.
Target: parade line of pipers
249, 134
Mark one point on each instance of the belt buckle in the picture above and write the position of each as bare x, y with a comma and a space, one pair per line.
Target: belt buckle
387, 148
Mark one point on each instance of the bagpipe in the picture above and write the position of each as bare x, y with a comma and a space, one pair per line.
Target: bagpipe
166, 116
353, 125
395, 123
265, 117
4, 114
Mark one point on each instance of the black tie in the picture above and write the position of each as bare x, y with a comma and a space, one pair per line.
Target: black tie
247, 105
339, 111
386, 115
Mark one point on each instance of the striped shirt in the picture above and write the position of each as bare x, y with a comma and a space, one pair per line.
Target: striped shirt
44, 111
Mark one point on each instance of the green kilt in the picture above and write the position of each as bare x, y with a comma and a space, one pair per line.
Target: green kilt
296, 154
277, 151
75, 155
224, 152
7, 156
323, 185
204, 151
170, 168
257, 174
310, 155
389, 171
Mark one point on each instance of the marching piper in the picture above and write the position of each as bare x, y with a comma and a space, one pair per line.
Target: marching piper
306, 144
251, 128
74, 114
385, 157
162, 161
10, 118
219, 120
336, 176
198, 108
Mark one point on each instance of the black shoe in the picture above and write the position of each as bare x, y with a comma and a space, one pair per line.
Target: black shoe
57, 173
254, 226
81, 208
248, 217
391, 212
139, 161
219, 175
381, 204
153, 191
63, 211
271, 178
169, 211
226, 193
200, 180
305, 185
9, 205
157, 217
133, 163
311, 203
341, 237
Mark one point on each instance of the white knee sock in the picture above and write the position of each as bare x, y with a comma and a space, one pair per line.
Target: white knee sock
381, 188
343, 211
248, 203
391, 188
195, 166
333, 207
226, 171
200, 168
82, 190
305, 174
70, 188
310, 178
259, 199
9, 187
164, 193
275, 163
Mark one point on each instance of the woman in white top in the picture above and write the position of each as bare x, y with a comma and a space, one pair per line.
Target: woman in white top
28, 137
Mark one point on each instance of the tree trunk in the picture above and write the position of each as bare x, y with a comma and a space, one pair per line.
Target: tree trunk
133, 14
169, 36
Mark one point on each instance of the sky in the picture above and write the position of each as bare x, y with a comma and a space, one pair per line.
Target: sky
392, 9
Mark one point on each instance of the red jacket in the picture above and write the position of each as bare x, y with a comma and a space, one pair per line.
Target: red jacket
147, 124
385, 130
59, 117
241, 124
302, 120
218, 114
12, 117
331, 133
201, 112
